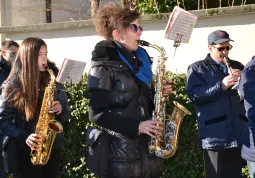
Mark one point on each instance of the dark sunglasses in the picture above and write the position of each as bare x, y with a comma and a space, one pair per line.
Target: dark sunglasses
223, 48
135, 28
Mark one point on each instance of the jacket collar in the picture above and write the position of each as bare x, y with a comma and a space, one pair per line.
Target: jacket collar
105, 50
209, 60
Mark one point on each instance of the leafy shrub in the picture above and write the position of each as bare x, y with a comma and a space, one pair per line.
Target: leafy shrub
73, 159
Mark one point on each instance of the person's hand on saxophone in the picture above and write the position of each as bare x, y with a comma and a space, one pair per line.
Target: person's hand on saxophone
55, 107
151, 127
34, 141
231, 79
168, 88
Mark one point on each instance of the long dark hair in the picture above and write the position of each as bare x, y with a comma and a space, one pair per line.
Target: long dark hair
24, 91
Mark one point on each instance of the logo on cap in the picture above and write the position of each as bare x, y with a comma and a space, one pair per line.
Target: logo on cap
222, 34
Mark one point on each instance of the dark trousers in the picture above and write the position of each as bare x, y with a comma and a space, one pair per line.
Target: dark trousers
28, 170
223, 163
2, 173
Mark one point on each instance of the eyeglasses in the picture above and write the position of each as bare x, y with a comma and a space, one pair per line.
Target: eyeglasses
223, 48
12, 54
135, 28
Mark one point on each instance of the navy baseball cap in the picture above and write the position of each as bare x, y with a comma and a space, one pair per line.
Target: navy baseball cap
218, 37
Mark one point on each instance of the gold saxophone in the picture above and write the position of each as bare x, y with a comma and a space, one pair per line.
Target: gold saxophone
47, 126
165, 144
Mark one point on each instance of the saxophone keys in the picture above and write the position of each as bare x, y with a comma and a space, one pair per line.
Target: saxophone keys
152, 148
160, 153
169, 147
169, 136
171, 126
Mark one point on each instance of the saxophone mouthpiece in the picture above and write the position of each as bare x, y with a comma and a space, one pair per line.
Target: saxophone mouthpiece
45, 66
143, 43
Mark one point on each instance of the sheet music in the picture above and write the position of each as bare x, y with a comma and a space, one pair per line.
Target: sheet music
71, 71
180, 23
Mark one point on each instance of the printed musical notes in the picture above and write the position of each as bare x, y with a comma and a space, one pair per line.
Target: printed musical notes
71, 71
180, 25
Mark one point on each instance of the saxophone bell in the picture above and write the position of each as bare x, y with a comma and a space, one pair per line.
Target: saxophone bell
55, 126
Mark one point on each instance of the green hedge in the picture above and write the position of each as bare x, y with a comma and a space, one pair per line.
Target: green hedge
186, 163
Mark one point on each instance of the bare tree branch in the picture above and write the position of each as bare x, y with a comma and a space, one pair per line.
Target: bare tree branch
93, 7
178, 3
183, 4
156, 5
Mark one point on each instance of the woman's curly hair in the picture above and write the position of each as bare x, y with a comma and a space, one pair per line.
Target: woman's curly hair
110, 17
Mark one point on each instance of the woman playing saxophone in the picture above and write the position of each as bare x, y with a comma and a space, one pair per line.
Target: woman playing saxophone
120, 94
20, 105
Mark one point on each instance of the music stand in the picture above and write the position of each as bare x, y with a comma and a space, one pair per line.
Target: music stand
71, 71
177, 42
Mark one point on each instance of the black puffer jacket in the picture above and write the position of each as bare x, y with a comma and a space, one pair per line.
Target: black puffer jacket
13, 122
117, 102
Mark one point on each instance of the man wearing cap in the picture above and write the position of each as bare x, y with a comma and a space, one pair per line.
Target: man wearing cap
219, 111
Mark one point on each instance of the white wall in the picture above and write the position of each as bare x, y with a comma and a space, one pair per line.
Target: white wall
79, 43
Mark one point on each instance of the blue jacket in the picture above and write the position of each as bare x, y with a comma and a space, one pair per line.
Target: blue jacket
219, 113
247, 90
